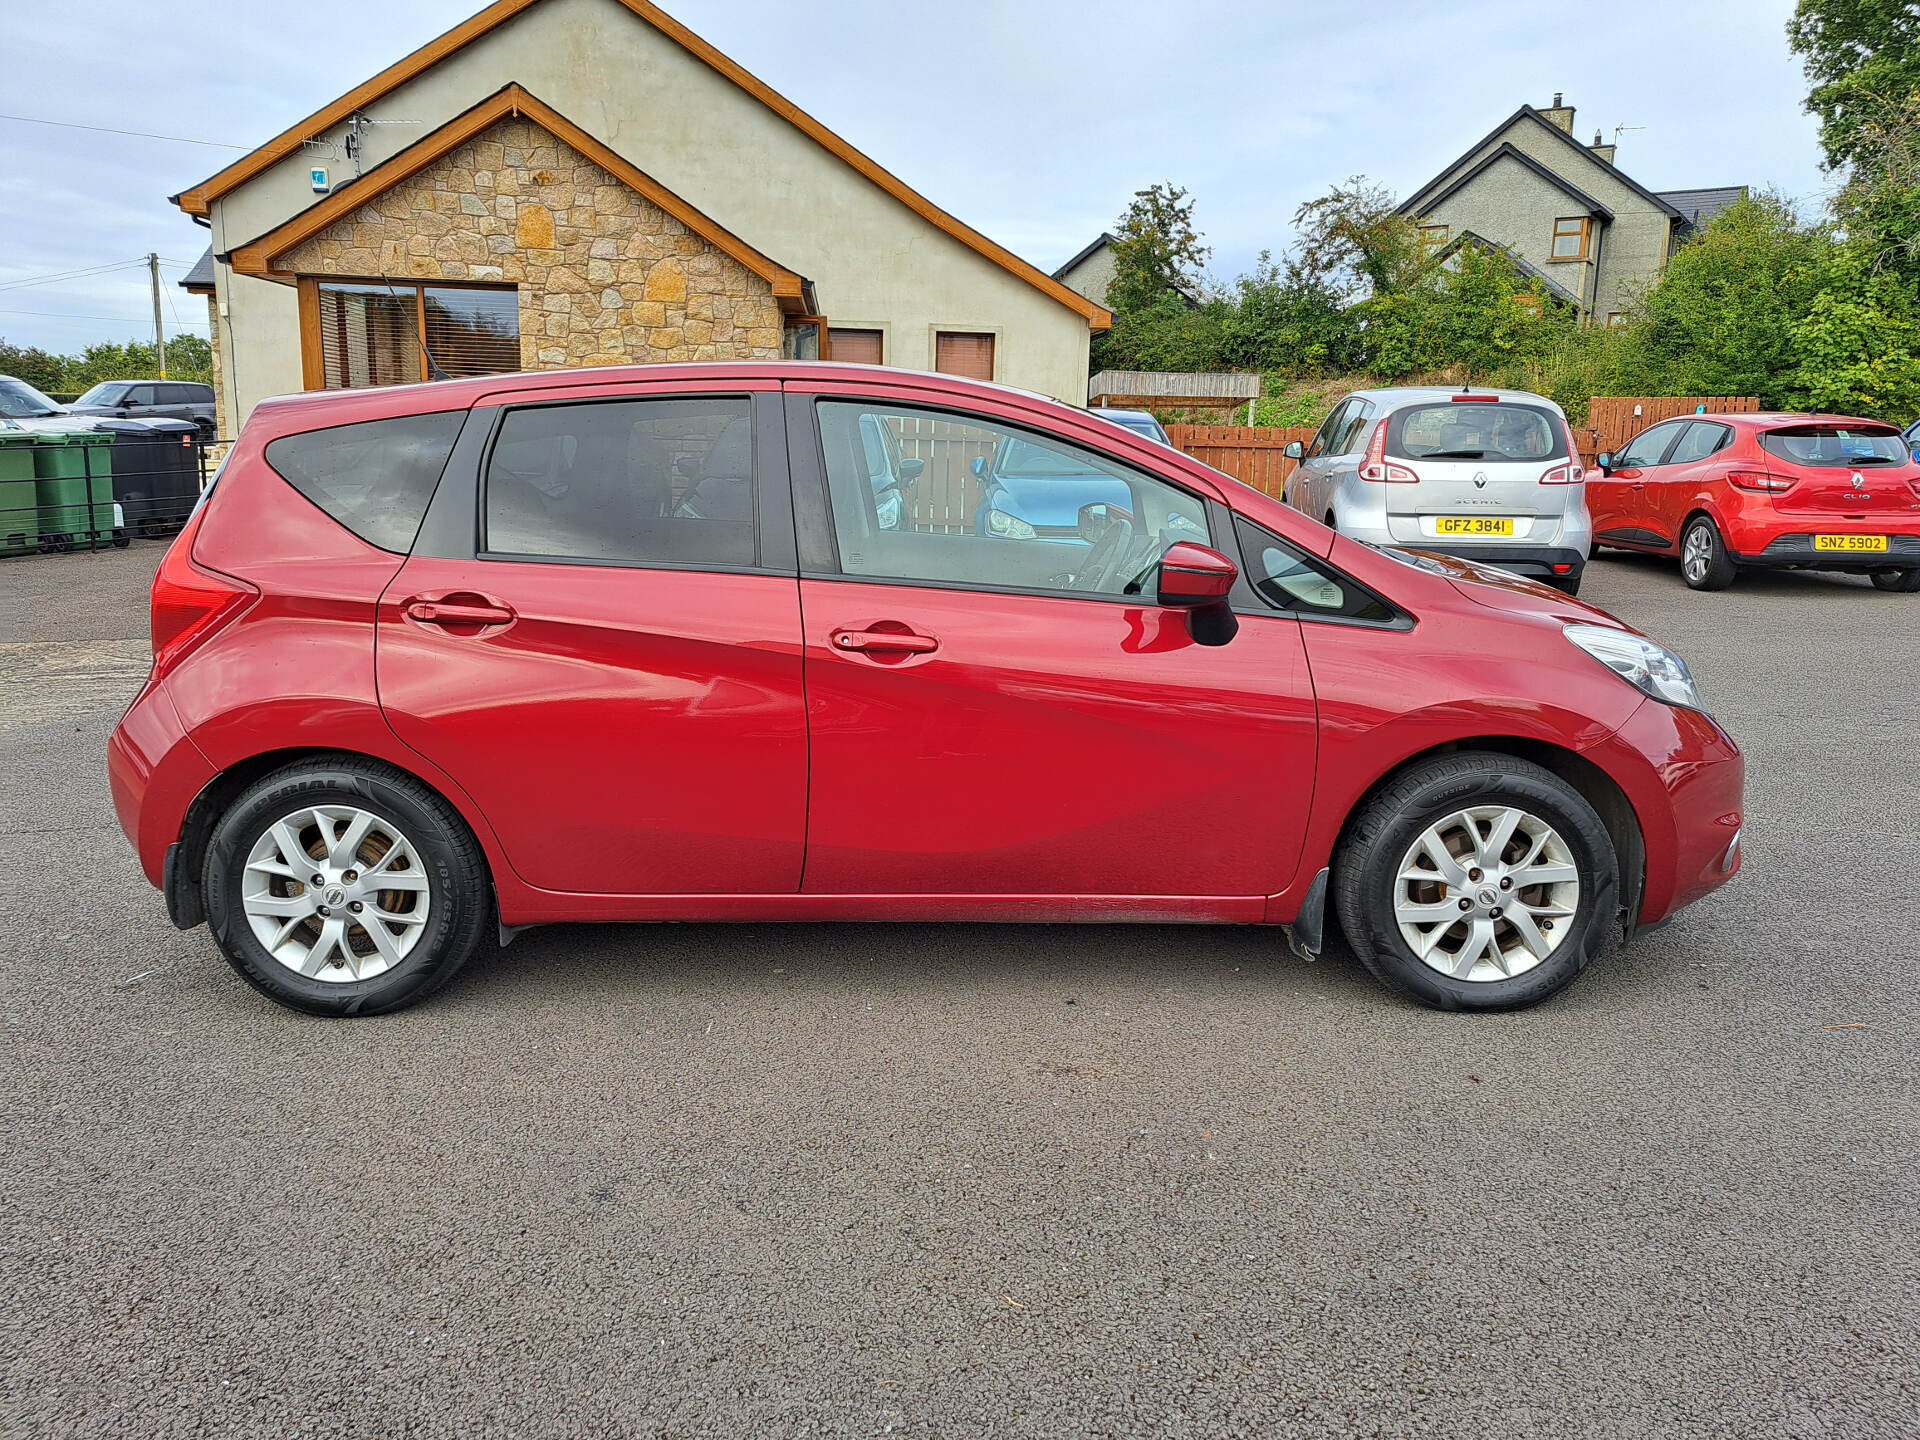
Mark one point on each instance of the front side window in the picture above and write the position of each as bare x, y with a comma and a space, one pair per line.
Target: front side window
660, 482
1701, 440
1290, 579
969, 501
141, 395
1648, 446
1837, 446
376, 477
1570, 238
1330, 427
1347, 440
1476, 430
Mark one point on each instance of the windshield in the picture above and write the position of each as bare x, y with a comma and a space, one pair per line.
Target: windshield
1476, 430
1837, 446
1021, 457
106, 392
20, 401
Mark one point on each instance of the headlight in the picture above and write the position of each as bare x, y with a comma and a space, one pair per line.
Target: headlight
1008, 527
887, 510
1648, 667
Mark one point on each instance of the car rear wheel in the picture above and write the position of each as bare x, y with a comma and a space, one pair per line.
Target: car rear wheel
1904, 582
342, 887
1476, 882
1704, 562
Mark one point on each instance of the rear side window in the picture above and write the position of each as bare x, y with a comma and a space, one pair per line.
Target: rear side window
1837, 446
376, 477
648, 482
1289, 579
1701, 440
1476, 430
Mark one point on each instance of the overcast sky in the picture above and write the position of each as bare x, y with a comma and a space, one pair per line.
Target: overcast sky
1032, 120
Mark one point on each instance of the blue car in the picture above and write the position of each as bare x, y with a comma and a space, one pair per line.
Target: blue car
1912, 433
1034, 490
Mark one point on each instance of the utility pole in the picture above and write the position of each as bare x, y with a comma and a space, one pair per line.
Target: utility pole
159, 336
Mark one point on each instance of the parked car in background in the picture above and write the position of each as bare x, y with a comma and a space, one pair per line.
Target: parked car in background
1491, 476
434, 662
1775, 491
1141, 422
151, 400
19, 401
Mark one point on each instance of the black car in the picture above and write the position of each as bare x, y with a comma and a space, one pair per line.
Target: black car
151, 400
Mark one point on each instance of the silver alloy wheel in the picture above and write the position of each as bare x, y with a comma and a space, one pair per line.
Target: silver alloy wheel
335, 893
1486, 893
1696, 554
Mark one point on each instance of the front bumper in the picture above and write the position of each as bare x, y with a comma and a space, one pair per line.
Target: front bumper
1796, 552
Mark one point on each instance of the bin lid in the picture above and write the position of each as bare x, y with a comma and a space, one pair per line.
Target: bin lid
68, 435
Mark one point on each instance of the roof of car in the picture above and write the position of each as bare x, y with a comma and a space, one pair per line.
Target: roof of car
1120, 415
1788, 417
1411, 394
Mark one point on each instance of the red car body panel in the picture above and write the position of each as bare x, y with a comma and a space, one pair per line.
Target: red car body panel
646, 743
1657, 500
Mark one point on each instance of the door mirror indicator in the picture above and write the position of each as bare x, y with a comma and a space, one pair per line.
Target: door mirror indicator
979, 466
1294, 450
1194, 575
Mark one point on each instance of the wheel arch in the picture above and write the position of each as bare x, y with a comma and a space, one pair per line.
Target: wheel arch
1591, 781
187, 905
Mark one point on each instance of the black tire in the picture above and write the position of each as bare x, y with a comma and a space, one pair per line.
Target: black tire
1367, 864
1901, 582
1719, 570
460, 908
1566, 584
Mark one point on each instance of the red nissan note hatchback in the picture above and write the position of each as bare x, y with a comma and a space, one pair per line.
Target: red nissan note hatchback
722, 642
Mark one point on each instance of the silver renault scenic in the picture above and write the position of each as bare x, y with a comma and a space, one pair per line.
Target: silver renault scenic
1489, 475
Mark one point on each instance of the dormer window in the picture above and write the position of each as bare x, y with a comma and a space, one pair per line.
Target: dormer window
1570, 237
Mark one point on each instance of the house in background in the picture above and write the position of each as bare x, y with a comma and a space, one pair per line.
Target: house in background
586, 182
1563, 210
1091, 271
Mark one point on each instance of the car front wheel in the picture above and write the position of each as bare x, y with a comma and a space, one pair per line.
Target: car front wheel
342, 887
1476, 882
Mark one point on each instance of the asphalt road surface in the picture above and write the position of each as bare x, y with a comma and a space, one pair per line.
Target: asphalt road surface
970, 1181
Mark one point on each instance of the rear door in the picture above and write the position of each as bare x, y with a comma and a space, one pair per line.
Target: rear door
1696, 462
998, 717
598, 635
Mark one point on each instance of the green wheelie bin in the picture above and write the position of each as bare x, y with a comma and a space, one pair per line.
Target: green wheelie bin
19, 496
74, 473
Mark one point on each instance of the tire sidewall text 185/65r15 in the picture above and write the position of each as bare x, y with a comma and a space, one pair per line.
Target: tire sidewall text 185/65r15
459, 897
1368, 869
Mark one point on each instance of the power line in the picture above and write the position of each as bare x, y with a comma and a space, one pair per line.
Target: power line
69, 315
137, 134
62, 275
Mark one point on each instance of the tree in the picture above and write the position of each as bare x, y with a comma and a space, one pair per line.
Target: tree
1861, 55
1354, 242
1856, 342
1157, 252
189, 357
31, 364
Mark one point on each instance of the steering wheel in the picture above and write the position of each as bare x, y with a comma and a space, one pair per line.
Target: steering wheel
1105, 558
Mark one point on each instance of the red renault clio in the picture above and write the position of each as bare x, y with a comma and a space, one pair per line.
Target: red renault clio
1777, 492
724, 642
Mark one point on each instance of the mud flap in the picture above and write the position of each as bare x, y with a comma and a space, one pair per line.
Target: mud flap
1308, 930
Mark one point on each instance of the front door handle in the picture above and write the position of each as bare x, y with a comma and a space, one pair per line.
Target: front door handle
904, 640
453, 612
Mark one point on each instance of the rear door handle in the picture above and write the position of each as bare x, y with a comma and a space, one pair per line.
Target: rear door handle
884, 640
448, 612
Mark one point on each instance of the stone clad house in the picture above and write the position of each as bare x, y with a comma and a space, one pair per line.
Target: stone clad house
585, 182
1563, 210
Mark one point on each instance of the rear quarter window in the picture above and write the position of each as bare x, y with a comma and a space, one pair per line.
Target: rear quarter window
375, 477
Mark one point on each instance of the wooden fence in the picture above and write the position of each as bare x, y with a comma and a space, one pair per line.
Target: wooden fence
1249, 453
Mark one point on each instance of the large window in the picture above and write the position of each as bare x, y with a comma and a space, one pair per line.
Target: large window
1039, 514
662, 482
1570, 238
395, 333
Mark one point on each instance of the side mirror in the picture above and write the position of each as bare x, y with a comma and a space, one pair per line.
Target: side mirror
1093, 520
1603, 462
979, 466
1294, 450
911, 470
1194, 575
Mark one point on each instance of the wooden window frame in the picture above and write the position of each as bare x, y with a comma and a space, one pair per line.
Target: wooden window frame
883, 331
1430, 245
1585, 222
993, 332
313, 360
1616, 318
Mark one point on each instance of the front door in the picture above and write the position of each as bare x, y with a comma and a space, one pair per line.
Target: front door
609, 660
1619, 503
1008, 714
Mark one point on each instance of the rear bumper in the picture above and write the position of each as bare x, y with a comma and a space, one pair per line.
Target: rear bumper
154, 771
1796, 552
1545, 562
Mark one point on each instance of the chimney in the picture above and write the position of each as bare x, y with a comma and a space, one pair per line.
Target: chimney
1605, 152
1559, 114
